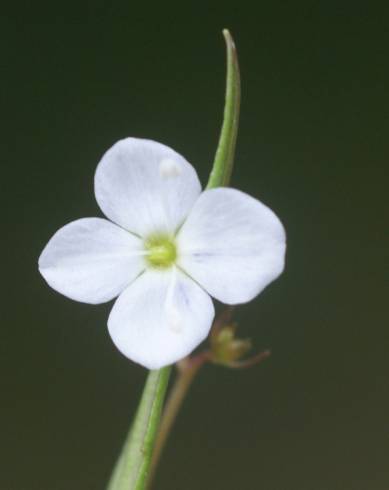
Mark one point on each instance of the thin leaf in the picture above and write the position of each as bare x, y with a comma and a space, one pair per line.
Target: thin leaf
133, 465
224, 158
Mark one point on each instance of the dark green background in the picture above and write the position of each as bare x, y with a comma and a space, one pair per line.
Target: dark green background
313, 146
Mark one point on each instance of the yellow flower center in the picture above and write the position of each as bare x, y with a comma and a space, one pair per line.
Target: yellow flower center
161, 251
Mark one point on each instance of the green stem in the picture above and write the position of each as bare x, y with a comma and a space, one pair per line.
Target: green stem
132, 467
224, 158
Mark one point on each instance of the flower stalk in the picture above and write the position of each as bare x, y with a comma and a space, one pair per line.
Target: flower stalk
187, 371
224, 350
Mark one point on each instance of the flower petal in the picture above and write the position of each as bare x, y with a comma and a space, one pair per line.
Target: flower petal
160, 318
145, 187
91, 260
232, 245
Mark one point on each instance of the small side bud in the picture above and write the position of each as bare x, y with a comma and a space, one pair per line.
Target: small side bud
226, 348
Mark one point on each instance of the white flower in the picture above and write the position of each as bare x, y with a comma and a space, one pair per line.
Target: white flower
166, 250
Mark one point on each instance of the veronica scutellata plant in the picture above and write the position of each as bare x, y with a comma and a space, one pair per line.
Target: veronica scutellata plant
164, 250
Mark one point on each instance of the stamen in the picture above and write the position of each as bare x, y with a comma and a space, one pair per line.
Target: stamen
169, 168
174, 319
173, 316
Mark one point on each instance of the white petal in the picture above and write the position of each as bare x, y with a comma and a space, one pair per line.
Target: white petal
232, 245
145, 187
160, 318
91, 260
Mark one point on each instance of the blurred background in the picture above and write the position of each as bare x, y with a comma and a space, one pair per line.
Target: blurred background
313, 146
